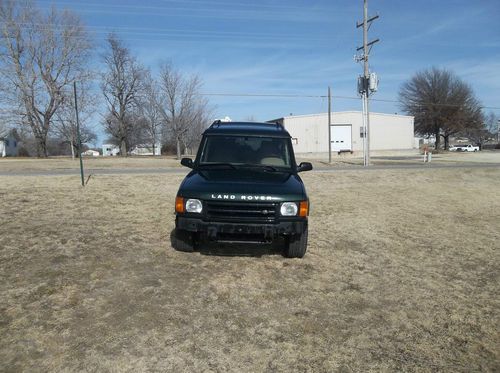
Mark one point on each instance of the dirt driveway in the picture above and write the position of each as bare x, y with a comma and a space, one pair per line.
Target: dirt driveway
402, 274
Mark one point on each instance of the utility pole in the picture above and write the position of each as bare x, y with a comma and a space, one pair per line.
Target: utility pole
329, 125
498, 131
367, 82
79, 139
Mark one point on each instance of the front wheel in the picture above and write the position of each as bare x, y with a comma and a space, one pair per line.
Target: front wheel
297, 246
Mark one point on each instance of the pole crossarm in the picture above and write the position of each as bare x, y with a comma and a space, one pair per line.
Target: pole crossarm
368, 44
359, 24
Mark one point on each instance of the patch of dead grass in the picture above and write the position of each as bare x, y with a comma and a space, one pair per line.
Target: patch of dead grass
401, 274
61, 163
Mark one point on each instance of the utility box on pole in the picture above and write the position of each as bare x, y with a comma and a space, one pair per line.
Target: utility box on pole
373, 83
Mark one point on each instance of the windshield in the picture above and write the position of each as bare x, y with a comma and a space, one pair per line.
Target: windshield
246, 150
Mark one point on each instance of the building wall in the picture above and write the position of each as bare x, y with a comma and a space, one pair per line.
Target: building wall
90, 153
110, 150
9, 147
146, 150
387, 131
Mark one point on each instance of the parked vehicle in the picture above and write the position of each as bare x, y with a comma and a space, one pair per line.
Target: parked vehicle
456, 148
244, 187
463, 148
470, 148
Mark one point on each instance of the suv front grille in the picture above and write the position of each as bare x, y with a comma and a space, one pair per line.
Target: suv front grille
244, 212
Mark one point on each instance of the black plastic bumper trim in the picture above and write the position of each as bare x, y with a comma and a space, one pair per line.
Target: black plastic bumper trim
214, 229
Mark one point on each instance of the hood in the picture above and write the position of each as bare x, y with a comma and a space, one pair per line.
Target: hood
242, 185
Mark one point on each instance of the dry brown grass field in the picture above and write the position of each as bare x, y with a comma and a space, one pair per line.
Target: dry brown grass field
26, 165
61, 163
401, 274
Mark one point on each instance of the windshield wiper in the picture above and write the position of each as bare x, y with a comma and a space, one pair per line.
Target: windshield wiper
217, 164
265, 167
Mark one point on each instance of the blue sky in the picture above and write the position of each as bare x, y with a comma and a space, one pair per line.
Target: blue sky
302, 47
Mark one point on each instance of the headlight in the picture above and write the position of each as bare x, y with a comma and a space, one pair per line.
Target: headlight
193, 205
289, 209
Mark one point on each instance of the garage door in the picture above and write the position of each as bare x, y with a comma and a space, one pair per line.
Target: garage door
341, 138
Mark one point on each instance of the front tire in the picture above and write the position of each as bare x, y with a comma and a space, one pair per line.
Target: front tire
182, 240
297, 246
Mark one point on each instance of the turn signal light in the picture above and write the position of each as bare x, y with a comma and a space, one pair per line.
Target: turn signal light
179, 204
304, 208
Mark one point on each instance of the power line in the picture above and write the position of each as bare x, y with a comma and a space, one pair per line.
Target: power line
278, 95
210, 3
175, 32
298, 95
148, 31
224, 11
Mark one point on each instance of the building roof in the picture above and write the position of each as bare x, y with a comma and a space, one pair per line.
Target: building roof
146, 146
247, 129
337, 112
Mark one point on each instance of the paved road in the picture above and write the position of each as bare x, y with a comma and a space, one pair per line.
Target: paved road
96, 171
179, 170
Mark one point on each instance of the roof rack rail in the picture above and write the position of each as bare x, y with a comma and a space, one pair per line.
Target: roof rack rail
279, 124
217, 123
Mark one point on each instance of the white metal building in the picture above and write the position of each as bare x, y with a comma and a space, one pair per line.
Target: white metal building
8, 145
387, 132
146, 149
110, 150
90, 153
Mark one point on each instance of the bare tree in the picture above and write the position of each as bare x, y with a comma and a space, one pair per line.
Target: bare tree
150, 110
492, 124
484, 133
182, 106
442, 104
200, 122
136, 132
465, 116
65, 126
41, 55
3, 118
478, 136
122, 86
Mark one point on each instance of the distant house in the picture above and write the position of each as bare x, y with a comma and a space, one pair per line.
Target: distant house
90, 153
8, 144
109, 150
143, 149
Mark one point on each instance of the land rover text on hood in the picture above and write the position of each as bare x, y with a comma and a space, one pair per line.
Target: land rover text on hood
244, 187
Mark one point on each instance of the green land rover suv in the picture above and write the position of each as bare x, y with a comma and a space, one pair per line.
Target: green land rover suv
244, 187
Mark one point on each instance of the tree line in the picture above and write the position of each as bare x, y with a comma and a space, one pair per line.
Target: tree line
42, 54
443, 106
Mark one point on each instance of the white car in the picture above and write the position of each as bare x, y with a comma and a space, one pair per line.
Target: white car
470, 148
455, 148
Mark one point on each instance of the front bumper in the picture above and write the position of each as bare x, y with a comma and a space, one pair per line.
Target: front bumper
223, 231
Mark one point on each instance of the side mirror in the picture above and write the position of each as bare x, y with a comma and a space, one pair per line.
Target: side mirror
187, 162
304, 166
